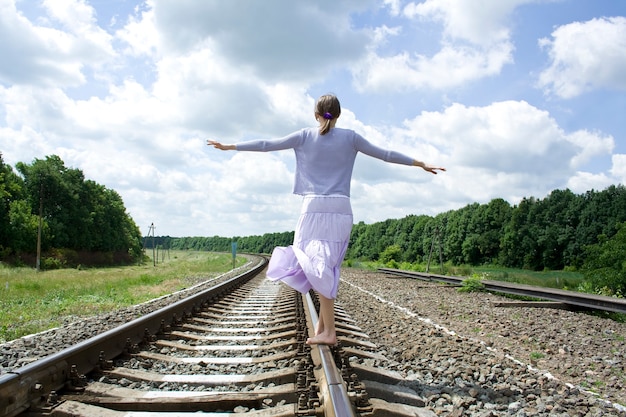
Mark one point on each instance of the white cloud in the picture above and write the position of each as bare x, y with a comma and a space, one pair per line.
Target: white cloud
37, 108
476, 43
586, 181
586, 56
78, 18
41, 54
511, 147
140, 33
618, 170
452, 66
506, 136
279, 45
591, 144
481, 22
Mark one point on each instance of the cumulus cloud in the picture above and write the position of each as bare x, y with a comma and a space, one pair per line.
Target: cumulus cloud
476, 43
586, 181
482, 22
45, 55
618, 170
140, 34
450, 67
585, 56
506, 146
305, 35
590, 144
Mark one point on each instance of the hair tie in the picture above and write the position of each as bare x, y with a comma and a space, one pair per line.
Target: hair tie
328, 116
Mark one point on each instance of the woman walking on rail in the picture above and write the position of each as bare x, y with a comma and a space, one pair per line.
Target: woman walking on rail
324, 161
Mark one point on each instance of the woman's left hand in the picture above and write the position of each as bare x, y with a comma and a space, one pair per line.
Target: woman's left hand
433, 170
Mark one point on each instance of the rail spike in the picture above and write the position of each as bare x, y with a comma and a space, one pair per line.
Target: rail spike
103, 363
77, 382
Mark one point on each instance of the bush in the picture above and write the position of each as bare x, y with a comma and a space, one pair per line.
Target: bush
391, 253
48, 264
392, 264
472, 284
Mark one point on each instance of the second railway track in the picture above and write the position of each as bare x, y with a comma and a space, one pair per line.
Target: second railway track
570, 298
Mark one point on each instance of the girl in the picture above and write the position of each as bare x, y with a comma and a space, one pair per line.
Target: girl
324, 161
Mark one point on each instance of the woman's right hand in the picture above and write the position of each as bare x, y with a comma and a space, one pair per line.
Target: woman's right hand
221, 146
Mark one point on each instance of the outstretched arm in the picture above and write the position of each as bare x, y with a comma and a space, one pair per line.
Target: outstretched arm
428, 168
362, 145
221, 146
261, 145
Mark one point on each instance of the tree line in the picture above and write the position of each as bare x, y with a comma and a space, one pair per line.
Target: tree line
80, 221
562, 230
536, 234
248, 244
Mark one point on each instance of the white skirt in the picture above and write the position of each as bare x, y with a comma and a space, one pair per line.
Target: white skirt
319, 246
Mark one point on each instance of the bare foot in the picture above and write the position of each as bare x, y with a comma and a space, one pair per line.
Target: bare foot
322, 339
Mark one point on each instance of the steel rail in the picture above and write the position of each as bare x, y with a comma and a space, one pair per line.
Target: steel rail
336, 401
574, 298
33, 383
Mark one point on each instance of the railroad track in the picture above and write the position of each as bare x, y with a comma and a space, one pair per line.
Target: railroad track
571, 298
237, 348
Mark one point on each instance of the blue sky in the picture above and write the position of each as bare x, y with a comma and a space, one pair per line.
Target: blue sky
514, 97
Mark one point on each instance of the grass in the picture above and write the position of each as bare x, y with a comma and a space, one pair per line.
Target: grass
31, 302
567, 280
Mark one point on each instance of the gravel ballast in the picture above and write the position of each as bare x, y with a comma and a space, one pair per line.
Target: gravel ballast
466, 356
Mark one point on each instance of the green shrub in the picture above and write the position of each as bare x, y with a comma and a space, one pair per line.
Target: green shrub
49, 264
472, 284
391, 253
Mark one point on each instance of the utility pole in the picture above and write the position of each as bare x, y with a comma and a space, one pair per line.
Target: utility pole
153, 244
432, 246
38, 262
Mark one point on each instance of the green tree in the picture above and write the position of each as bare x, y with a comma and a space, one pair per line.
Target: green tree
519, 244
402, 239
11, 189
52, 197
557, 219
456, 233
80, 214
416, 236
599, 214
497, 215
369, 241
605, 263
23, 226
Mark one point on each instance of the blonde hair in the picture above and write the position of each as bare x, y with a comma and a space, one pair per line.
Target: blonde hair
328, 108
